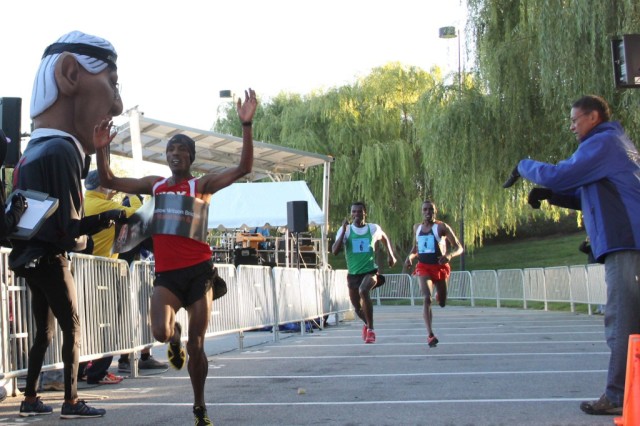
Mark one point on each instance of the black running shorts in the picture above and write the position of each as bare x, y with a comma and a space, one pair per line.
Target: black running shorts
189, 284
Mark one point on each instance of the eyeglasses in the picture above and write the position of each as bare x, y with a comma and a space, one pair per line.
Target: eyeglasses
575, 119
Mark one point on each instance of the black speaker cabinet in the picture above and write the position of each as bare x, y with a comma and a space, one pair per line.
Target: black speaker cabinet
626, 61
10, 116
297, 216
245, 256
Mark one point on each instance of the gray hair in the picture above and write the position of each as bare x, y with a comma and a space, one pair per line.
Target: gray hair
45, 89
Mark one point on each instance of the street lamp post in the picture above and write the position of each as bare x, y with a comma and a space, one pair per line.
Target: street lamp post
450, 32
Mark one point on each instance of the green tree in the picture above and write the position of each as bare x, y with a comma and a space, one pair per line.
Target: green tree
400, 135
533, 59
369, 128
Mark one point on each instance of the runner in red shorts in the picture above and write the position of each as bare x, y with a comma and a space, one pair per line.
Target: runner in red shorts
430, 247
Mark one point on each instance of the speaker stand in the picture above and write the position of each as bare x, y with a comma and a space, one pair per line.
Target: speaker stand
297, 237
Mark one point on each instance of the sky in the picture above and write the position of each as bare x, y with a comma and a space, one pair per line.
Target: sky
174, 57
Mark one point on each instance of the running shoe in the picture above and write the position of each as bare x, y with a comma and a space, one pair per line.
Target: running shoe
151, 364
371, 337
175, 352
110, 379
364, 332
80, 410
37, 408
124, 366
432, 341
201, 417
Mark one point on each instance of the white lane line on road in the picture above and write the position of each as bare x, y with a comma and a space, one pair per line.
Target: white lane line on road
466, 343
426, 355
351, 376
400, 402
493, 327
422, 335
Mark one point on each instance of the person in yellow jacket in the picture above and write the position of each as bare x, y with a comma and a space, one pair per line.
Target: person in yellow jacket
98, 199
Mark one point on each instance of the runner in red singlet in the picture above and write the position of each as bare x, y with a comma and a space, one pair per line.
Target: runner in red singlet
183, 265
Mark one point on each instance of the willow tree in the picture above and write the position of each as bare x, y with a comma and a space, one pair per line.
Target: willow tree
399, 134
368, 127
533, 57
378, 158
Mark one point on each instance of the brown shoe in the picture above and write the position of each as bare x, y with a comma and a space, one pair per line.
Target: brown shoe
601, 406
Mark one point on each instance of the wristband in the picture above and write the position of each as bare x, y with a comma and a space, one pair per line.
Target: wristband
247, 123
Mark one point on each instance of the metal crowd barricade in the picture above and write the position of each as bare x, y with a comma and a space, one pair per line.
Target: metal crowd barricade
485, 286
596, 285
328, 289
574, 284
288, 293
309, 295
560, 291
511, 285
224, 315
460, 285
16, 324
579, 286
114, 301
141, 274
4, 317
339, 292
104, 298
114, 307
256, 297
397, 286
535, 286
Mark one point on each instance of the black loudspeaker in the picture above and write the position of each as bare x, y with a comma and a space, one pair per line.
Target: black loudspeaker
626, 61
10, 116
297, 216
245, 256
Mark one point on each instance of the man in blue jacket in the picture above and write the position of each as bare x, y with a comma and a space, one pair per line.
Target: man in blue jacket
601, 178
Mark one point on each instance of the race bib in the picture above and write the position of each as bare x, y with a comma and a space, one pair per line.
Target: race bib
361, 245
165, 214
426, 244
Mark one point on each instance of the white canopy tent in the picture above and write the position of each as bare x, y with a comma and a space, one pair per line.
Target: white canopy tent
252, 205
145, 139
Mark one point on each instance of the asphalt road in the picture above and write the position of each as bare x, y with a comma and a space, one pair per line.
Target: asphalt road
492, 367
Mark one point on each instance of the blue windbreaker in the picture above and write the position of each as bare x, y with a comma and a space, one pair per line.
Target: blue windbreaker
603, 175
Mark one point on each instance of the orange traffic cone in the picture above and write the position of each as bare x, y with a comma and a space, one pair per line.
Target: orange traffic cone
631, 410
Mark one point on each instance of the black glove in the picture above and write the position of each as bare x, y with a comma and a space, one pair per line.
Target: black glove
90, 225
18, 206
512, 179
538, 194
585, 247
116, 215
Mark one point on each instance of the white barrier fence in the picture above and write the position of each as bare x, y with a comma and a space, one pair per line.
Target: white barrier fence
114, 302
577, 284
114, 305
